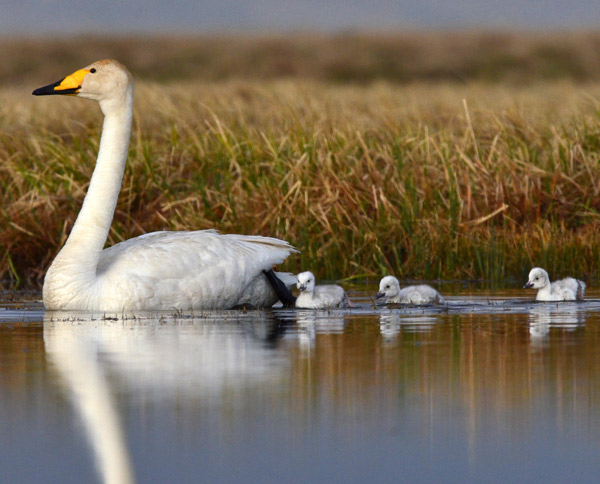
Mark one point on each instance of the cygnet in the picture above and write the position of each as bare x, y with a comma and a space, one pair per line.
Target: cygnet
568, 289
319, 297
389, 289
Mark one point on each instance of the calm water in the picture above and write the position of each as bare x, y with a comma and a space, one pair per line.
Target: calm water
490, 389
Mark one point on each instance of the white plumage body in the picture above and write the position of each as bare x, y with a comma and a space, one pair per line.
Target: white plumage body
319, 297
172, 270
421, 294
323, 297
390, 291
568, 289
162, 270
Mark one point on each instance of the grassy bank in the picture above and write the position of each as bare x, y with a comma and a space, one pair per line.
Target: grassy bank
425, 180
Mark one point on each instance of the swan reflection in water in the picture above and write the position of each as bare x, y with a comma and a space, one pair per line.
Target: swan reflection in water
542, 317
164, 357
392, 322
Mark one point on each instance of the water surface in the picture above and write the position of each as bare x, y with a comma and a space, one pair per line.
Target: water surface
490, 388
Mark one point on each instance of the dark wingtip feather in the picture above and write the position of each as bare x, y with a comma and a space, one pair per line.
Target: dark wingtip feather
283, 293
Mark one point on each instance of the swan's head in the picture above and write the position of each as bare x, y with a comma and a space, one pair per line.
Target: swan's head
306, 281
538, 278
103, 80
389, 286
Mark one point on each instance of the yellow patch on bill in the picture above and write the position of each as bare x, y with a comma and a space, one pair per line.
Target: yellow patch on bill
73, 81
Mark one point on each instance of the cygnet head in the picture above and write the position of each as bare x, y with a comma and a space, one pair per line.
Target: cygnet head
538, 278
306, 281
103, 81
389, 286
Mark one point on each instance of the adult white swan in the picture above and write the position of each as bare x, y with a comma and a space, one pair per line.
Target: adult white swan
161, 270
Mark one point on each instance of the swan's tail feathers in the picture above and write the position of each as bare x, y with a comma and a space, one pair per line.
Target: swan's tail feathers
580, 290
272, 251
281, 289
270, 242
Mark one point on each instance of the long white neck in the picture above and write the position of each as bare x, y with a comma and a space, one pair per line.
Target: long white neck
88, 236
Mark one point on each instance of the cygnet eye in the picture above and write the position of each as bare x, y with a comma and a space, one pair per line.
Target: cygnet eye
93, 70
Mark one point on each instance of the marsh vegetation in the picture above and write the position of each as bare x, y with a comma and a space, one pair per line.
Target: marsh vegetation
422, 173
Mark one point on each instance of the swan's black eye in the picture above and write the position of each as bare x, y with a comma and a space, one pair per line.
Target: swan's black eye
93, 70
387, 287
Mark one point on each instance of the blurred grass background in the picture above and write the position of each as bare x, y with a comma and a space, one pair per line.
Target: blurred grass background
445, 155
345, 57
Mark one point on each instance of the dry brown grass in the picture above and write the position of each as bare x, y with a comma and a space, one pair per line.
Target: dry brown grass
421, 179
424, 180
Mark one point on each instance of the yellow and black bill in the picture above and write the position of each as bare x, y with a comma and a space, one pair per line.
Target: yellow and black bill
69, 85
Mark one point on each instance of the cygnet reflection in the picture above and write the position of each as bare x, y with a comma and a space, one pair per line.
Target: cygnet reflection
391, 323
311, 322
543, 317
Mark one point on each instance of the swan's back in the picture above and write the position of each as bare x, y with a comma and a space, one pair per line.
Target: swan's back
332, 295
191, 270
568, 289
420, 294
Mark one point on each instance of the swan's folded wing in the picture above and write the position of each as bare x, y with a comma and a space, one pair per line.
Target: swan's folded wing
191, 266
329, 295
569, 288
